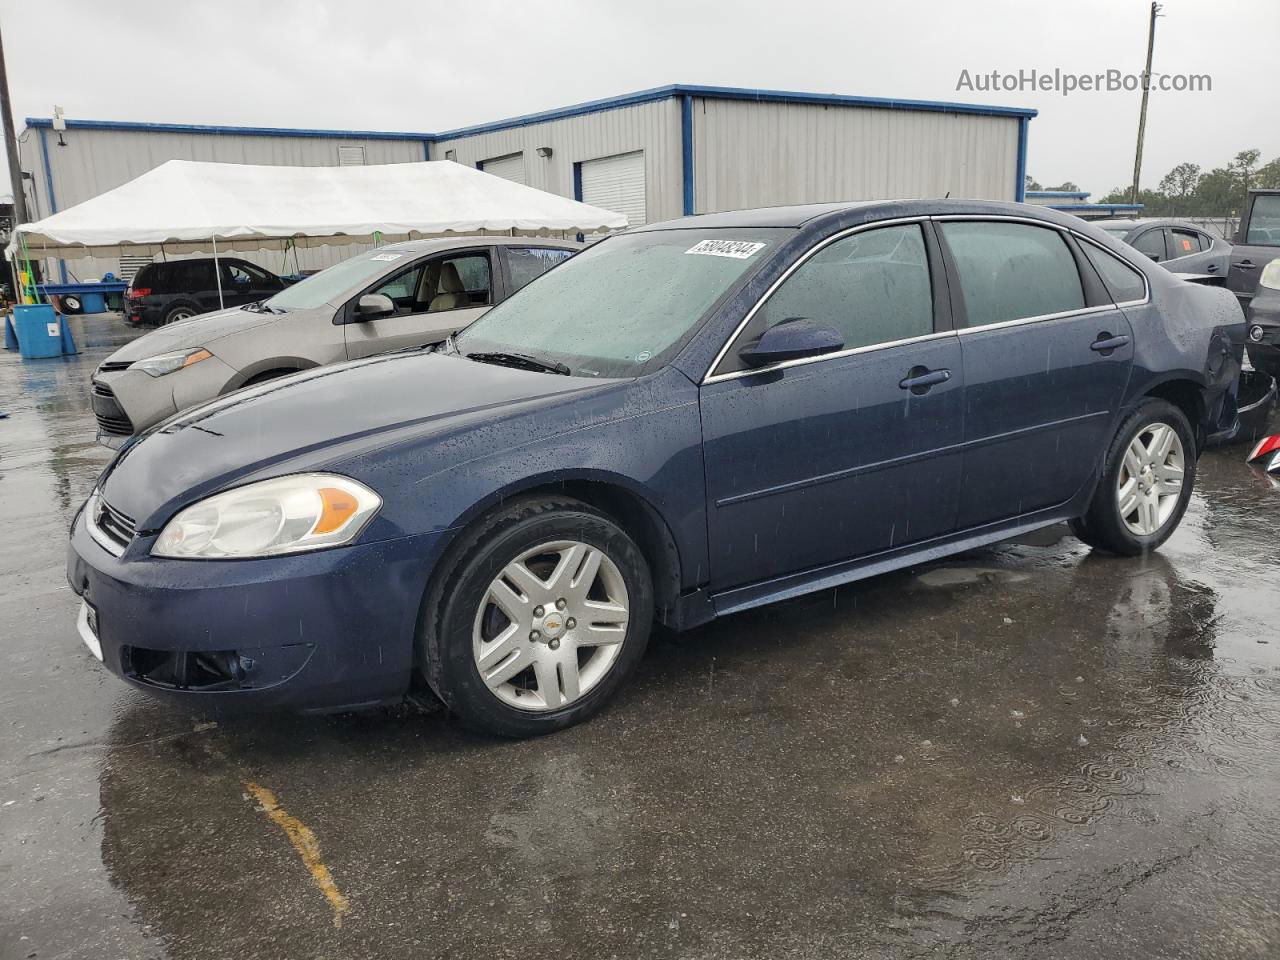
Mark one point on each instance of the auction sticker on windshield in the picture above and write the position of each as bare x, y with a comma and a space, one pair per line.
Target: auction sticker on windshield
737, 249
387, 256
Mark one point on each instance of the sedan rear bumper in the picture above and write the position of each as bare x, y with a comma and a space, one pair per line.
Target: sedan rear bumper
318, 630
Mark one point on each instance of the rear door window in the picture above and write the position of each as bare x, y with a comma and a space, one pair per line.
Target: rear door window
1183, 243
1151, 243
1012, 271
526, 264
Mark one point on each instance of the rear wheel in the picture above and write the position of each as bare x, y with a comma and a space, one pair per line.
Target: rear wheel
179, 312
1146, 482
543, 613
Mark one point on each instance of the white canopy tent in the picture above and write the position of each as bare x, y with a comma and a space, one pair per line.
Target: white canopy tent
185, 206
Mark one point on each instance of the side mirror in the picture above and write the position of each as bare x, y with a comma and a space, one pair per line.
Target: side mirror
374, 305
792, 339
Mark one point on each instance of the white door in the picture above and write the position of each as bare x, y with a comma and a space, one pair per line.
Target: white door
508, 168
617, 184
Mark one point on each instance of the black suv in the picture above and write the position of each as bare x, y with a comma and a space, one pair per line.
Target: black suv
167, 292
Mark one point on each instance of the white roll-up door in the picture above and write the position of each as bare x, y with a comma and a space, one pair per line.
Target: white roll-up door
508, 168
617, 184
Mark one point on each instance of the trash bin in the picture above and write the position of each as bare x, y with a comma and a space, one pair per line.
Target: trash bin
39, 331
93, 303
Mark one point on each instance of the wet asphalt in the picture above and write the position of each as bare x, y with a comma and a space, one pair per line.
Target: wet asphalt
1027, 751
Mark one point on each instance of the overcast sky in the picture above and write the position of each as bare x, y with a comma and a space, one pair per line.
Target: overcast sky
428, 66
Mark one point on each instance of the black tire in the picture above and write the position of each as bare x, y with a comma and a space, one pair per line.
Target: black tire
179, 311
444, 643
72, 304
1102, 526
266, 376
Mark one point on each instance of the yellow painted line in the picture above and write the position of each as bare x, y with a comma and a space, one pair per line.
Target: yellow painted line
304, 841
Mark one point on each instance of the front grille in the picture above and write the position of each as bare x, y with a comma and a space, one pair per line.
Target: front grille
107, 410
117, 526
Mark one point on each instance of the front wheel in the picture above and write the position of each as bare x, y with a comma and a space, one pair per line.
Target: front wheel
1146, 483
543, 612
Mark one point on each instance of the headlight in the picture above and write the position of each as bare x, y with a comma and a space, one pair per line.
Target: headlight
169, 362
285, 515
1271, 275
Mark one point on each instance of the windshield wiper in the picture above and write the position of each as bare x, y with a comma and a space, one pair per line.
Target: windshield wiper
260, 306
520, 361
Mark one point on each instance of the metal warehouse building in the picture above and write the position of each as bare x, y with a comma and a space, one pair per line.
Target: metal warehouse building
652, 155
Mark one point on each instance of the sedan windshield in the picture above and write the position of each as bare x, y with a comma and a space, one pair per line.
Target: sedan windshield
625, 304
331, 283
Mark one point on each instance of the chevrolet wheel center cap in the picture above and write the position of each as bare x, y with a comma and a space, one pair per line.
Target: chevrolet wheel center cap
553, 624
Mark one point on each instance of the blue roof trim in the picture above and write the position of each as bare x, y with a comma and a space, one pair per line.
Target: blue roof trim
730, 93
1058, 193
576, 110
45, 122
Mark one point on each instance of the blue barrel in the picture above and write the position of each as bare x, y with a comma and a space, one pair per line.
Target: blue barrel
39, 331
92, 303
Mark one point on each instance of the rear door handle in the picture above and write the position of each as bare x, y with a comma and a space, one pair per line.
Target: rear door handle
921, 380
1244, 265
1107, 344
1212, 268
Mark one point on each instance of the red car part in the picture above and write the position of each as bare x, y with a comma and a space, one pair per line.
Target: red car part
1267, 453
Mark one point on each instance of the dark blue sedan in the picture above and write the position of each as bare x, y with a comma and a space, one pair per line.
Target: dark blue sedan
684, 421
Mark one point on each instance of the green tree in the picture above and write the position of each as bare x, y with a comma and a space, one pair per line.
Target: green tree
1268, 175
1032, 183
1179, 184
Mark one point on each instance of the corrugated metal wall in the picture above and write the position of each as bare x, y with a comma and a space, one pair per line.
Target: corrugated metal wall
762, 154
651, 127
94, 161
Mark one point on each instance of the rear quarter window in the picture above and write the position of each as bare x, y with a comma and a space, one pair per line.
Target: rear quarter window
1122, 281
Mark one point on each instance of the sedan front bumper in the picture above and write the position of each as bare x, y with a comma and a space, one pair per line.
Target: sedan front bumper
319, 630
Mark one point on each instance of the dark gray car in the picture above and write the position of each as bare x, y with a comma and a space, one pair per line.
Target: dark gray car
1257, 243
1177, 245
402, 295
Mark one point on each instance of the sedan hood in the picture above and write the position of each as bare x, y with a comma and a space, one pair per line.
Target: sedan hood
199, 331
313, 419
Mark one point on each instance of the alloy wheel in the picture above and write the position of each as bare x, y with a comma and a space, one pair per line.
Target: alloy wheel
1150, 480
551, 625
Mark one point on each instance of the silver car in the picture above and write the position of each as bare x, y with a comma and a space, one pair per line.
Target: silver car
406, 294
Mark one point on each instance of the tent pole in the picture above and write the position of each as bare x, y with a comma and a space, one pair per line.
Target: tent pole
217, 273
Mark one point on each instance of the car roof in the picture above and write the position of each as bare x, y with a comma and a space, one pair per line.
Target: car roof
1135, 222
798, 216
432, 244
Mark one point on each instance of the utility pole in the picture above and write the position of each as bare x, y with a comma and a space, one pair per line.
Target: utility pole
1146, 91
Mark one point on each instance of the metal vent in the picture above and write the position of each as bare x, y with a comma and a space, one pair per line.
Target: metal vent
351, 156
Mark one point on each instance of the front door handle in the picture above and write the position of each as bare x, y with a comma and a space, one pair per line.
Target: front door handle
1244, 265
1212, 268
920, 380
1106, 344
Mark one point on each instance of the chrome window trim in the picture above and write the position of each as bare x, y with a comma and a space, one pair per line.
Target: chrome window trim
712, 377
96, 533
937, 335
